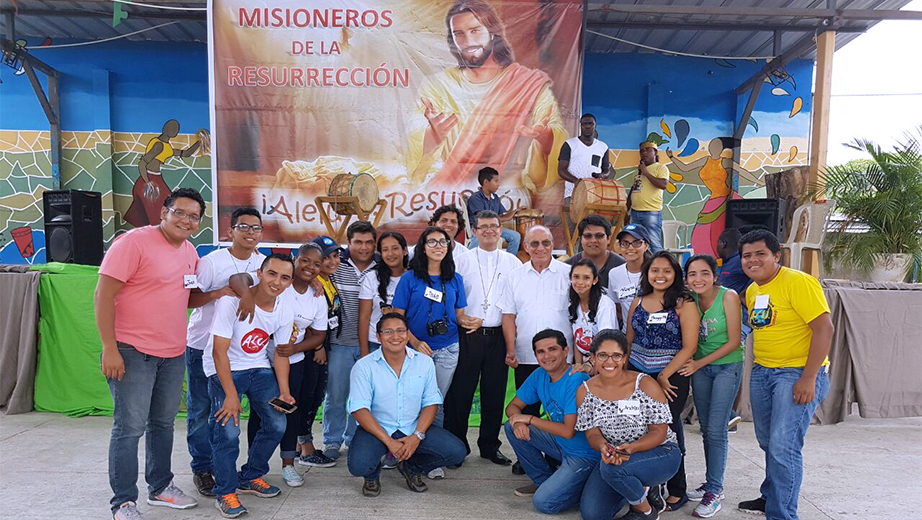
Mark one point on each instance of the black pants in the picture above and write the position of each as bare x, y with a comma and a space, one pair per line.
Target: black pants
481, 358
677, 485
313, 389
521, 374
295, 377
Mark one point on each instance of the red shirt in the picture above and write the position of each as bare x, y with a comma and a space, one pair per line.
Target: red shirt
150, 310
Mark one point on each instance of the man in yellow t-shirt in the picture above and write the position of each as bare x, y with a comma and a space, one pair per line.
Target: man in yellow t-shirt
646, 198
792, 333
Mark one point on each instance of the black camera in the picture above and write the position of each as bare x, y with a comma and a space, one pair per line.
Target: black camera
437, 328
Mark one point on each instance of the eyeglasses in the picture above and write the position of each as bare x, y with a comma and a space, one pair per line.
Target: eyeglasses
437, 243
245, 228
637, 244
490, 227
390, 332
605, 356
597, 236
534, 244
180, 214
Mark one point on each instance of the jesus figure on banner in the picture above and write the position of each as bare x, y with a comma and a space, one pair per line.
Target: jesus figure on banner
488, 111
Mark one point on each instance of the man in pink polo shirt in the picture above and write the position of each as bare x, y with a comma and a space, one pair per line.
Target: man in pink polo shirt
141, 301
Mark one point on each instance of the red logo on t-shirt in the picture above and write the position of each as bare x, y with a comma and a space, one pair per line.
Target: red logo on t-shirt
254, 341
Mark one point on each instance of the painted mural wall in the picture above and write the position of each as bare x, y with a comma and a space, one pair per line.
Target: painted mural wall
117, 96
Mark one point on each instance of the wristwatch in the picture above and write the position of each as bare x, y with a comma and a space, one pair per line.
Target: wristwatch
420, 435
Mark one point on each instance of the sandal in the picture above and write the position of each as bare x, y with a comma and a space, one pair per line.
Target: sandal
675, 506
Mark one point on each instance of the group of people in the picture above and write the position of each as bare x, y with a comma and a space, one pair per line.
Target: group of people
393, 341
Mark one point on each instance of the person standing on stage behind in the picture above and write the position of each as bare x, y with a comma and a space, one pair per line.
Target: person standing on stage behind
141, 300
663, 333
594, 236
716, 371
590, 311
486, 199
624, 414
792, 333
645, 199
338, 426
308, 336
582, 157
624, 280
449, 219
482, 355
431, 296
324, 253
213, 276
377, 293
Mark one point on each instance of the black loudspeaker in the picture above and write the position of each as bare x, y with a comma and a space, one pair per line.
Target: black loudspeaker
749, 214
73, 226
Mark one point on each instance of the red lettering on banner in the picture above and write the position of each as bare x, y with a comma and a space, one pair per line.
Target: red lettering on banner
394, 206
417, 198
254, 341
234, 76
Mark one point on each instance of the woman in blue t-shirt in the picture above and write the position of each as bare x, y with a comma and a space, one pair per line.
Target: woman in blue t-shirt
431, 295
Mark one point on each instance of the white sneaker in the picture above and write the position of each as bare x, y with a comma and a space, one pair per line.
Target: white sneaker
173, 497
697, 494
437, 473
127, 511
292, 477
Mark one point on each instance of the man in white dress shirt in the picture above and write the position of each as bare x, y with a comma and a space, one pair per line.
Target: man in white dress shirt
483, 349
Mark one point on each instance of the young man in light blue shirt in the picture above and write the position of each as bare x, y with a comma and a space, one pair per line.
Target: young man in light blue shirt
393, 396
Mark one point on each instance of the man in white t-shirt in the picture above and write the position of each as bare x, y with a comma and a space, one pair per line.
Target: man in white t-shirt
582, 157
212, 276
238, 363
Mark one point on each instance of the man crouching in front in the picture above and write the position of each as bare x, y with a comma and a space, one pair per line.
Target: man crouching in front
393, 396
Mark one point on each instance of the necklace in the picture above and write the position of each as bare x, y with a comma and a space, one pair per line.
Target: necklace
486, 291
237, 266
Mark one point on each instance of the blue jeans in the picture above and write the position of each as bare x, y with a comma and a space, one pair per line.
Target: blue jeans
780, 426
558, 490
199, 420
714, 388
610, 487
146, 403
437, 450
513, 240
653, 221
446, 361
259, 385
339, 426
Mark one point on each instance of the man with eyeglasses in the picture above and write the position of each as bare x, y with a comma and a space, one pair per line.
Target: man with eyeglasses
482, 355
213, 277
394, 397
141, 300
594, 236
486, 199
534, 297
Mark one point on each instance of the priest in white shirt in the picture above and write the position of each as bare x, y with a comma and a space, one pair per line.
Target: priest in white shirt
482, 356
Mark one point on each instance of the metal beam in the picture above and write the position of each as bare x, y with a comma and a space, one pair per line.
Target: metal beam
803, 46
38, 64
87, 13
39, 91
766, 12
10, 30
719, 27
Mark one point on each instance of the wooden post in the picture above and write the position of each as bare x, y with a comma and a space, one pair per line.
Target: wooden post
825, 46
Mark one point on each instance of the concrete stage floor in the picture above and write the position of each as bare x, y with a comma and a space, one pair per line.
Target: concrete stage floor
54, 468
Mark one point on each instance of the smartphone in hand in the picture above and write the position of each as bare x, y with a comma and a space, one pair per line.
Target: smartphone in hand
285, 407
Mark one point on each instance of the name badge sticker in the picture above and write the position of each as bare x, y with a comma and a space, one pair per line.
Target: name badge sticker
433, 294
626, 292
333, 322
657, 318
629, 407
761, 302
189, 281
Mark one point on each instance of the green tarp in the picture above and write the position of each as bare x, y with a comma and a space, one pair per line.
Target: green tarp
68, 379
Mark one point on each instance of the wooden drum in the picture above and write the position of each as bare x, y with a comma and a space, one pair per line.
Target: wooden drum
363, 187
526, 218
604, 197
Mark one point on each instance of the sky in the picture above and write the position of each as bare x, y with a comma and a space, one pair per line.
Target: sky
876, 87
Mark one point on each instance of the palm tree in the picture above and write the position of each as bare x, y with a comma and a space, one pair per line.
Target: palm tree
881, 201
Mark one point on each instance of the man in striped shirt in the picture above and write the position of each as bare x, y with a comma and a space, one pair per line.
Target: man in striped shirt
338, 426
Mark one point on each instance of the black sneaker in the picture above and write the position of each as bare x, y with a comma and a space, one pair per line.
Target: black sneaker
204, 482
632, 514
517, 468
371, 488
753, 507
414, 482
655, 497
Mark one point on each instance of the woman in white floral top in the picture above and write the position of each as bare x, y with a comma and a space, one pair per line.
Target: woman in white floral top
625, 417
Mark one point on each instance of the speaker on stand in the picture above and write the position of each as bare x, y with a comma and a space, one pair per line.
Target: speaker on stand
73, 226
750, 214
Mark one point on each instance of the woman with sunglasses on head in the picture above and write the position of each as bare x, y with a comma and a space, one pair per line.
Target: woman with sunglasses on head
590, 311
716, 372
663, 332
625, 416
316, 372
624, 280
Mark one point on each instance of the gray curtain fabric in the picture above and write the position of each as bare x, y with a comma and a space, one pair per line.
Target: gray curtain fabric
18, 337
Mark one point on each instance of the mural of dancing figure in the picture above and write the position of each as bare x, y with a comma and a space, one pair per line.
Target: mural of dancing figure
714, 171
149, 190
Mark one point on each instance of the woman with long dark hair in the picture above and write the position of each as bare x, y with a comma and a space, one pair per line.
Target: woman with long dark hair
624, 280
590, 311
663, 333
377, 292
